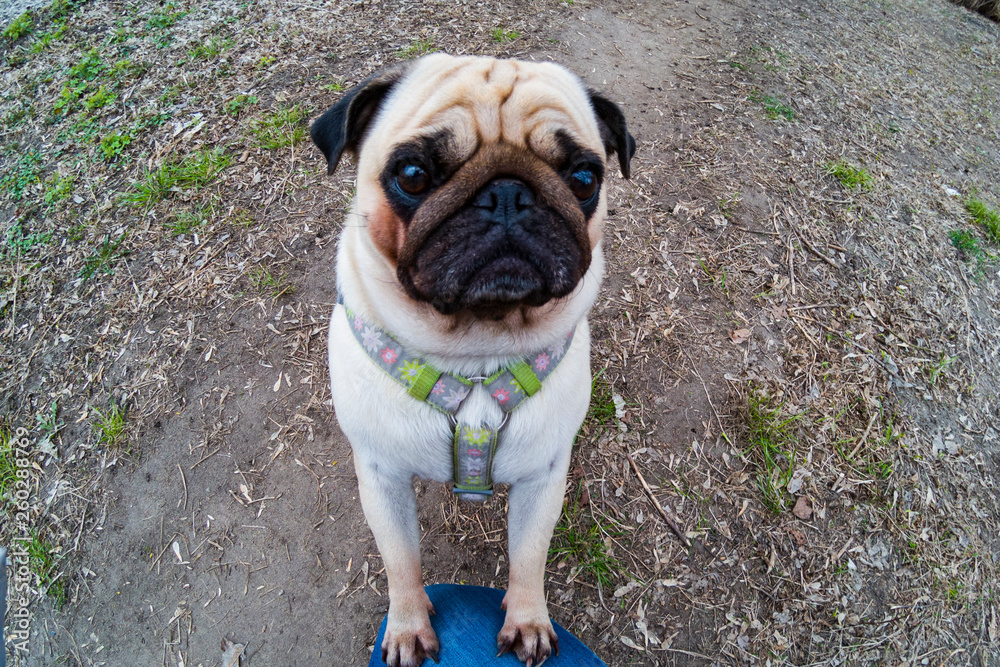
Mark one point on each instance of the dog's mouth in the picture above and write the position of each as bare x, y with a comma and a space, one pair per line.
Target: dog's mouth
503, 284
490, 270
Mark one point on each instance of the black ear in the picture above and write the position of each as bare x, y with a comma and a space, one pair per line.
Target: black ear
342, 127
614, 131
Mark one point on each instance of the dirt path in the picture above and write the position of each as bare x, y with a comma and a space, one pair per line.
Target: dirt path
775, 338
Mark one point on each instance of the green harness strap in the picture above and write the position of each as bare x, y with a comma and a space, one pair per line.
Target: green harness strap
474, 447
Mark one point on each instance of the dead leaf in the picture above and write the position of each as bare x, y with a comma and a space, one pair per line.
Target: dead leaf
231, 653
798, 536
797, 479
739, 336
803, 508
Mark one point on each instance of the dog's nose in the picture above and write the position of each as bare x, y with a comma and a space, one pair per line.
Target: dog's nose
505, 201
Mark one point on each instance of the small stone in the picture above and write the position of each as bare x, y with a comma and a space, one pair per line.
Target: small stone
803, 508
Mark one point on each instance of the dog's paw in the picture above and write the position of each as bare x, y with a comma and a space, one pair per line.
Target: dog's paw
532, 640
409, 637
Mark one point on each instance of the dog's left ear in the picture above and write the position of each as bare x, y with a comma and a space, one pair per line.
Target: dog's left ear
342, 127
614, 131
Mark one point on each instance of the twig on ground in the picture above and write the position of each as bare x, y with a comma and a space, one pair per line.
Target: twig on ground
666, 517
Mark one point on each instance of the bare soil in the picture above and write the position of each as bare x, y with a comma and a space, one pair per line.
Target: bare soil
748, 291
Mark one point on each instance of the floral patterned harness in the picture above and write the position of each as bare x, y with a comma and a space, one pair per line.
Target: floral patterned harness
474, 446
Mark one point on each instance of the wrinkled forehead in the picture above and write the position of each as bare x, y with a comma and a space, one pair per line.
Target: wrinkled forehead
480, 101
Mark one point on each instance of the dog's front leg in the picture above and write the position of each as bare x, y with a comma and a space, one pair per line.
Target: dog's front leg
391, 509
534, 509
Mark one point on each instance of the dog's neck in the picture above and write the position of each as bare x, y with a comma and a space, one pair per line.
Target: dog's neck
456, 344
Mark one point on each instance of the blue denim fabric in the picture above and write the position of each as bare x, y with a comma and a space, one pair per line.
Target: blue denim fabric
3, 604
467, 621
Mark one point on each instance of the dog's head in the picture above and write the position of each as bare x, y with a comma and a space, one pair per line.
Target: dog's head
481, 180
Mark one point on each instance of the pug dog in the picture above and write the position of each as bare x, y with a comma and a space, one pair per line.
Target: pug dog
473, 245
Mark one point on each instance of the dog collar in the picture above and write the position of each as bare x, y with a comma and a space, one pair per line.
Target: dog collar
474, 445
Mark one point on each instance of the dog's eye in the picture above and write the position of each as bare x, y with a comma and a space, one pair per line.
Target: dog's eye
583, 183
413, 179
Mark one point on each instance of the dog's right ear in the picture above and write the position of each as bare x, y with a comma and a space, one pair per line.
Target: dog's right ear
342, 127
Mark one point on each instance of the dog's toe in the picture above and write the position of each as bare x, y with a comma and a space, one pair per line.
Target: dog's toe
407, 646
532, 642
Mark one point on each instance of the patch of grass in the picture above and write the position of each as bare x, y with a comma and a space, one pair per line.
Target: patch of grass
58, 188
69, 97
718, 279
242, 217
851, 177
22, 174
266, 61
773, 107
416, 49
126, 69
19, 27
17, 242
82, 131
280, 128
165, 18
503, 35
99, 98
43, 40
965, 241
193, 171
266, 283
18, 115
584, 539
103, 260
77, 232
110, 425
60, 9
48, 422
213, 47
88, 68
185, 222
969, 249
602, 405
935, 369
336, 86
119, 35
42, 561
235, 106
771, 59
159, 23
985, 216
8, 464
113, 145
770, 446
